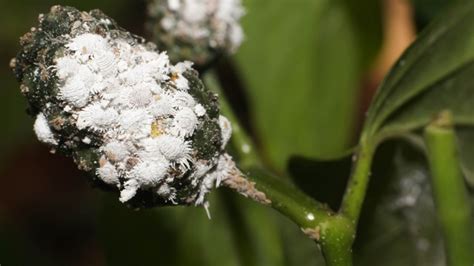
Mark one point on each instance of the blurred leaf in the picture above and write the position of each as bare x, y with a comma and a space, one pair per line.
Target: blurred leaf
302, 62
434, 74
426, 10
325, 181
466, 150
398, 225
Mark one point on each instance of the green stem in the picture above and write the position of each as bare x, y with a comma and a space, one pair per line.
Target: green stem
240, 141
358, 183
452, 201
337, 243
333, 232
289, 200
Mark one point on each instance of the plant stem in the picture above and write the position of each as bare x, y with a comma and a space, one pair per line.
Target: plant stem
336, 242
452, 201
333, 232
358, 183
242, 143
289, 200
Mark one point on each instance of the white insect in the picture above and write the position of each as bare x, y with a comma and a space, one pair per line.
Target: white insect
163, 106
108, 173
85, 45
105, 63
184, 123
116, 151
183, 99
214, 21
174, 149
199, 110
97, 118
75, 92
135, 121
140, 106
150, 173
226, 130
140, 95
129, 190
43, 131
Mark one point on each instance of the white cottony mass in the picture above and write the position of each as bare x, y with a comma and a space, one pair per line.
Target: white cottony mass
119, 95
214, 20
197, 29
121, 109
43, 131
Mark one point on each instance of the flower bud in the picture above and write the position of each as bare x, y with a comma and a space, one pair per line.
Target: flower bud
139, 124
197, 30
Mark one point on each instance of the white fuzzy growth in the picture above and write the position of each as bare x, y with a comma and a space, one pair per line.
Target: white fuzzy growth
140, 96
164, 105
213, 179
135, 120
75, 92
139, 105
108, 173
173, 148
174, 4
43, 131
94, 116
226, 130
194, 11
181, 82
199, 110
184, 123
150, 173
216, 21
227, 13
183, 99
201, 168
66, 67
167, 192
116, 151
105, 62
86, 45
129, 191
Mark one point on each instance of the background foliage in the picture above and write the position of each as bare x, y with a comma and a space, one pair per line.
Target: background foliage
304, 66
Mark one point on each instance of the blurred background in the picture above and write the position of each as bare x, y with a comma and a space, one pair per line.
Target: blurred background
306, 74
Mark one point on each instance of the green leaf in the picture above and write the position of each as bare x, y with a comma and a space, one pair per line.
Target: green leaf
302, 62
455, 93
434, 74
399, 225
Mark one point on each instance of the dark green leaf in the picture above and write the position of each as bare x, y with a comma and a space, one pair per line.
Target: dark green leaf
302, 62
456, 93
434, 74
398, 225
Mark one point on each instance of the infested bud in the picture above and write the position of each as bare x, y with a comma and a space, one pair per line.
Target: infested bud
111, 101
197, 30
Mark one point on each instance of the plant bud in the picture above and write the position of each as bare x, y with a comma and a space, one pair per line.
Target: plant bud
197, 30
139, 124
